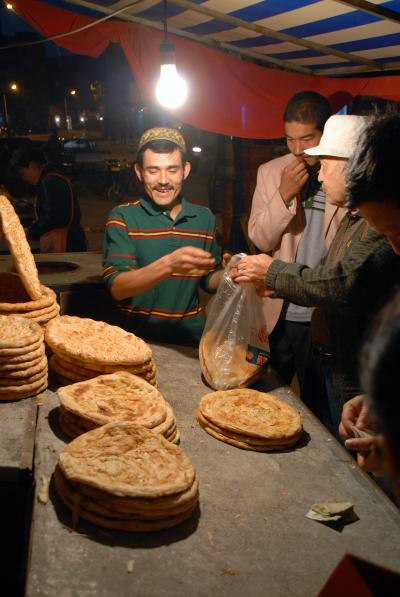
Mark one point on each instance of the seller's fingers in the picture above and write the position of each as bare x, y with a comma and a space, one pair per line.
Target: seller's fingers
226, 257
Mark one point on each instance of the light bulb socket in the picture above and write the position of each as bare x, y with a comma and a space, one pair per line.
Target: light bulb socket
167, 50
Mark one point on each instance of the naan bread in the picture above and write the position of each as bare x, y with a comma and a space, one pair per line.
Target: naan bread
116, 397
251, 413
14, 297
95, 341
18, 333
127, 460
224, 364
19, 248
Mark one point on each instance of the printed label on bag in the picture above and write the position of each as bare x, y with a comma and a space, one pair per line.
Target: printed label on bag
257, 356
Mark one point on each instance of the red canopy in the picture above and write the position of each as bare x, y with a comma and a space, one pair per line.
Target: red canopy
227, 95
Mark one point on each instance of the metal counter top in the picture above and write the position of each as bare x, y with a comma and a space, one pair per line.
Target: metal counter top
251, 537
85, 268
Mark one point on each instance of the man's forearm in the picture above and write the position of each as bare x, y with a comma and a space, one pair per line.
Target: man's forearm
139, 281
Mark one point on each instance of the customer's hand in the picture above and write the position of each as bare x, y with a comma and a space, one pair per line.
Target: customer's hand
252, 269
354, 414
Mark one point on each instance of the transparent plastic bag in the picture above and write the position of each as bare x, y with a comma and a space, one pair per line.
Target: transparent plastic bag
234, 346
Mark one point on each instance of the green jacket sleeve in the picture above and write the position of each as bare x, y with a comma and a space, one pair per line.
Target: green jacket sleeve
369, 268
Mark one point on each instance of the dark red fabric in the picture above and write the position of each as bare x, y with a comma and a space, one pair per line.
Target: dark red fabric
227, 95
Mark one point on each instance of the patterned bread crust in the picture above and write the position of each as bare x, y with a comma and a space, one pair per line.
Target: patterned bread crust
95, 341
19, 248
251, 413
127, 460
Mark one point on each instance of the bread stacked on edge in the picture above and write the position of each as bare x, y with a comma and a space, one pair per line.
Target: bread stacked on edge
84, 348
116, 397
22, 294
14, 300
124, 476
250, 419
23, 363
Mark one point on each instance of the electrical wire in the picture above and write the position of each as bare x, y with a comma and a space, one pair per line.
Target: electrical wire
78, 30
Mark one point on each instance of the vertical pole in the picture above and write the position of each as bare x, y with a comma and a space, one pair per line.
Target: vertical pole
5, 108
66, 113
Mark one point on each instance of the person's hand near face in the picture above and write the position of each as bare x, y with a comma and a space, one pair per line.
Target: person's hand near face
294, 177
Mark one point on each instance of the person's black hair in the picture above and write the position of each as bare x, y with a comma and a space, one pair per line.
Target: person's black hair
308, 107
380, 373
25, 154
373, 170
159, 146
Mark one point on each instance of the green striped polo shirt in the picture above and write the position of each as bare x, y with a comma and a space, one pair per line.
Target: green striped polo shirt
138, 233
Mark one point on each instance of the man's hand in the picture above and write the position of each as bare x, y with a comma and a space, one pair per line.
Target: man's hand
294, 176
190, 260
252, 269
355, 416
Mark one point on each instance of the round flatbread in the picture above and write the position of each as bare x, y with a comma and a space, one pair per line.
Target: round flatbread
95, 341
224, 365
251, 413
17, 332
24, 391
127, 460
115, 397
19, 248
88, 369
27, 371
246, 442
22, 355
14, 297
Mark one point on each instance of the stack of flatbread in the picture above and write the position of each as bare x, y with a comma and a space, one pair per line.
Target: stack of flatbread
22, 293
223, 363
23, 363
249, 419
117, 397
84, 348
14, 300
124, 476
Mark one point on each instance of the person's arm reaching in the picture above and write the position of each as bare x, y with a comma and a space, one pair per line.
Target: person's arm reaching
185, 260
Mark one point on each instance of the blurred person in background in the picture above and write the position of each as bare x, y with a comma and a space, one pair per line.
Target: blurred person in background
58, 214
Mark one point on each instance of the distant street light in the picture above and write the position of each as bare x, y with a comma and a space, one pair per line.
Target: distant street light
72, 92
9, 6
12, 87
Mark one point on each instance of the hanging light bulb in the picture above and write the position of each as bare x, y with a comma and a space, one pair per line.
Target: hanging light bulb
171, 90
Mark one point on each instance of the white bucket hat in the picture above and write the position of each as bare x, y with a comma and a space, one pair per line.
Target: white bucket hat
340, 136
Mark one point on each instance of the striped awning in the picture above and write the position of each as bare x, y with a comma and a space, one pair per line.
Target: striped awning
325, 37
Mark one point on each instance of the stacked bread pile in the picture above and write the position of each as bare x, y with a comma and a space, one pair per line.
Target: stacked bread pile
124, 476
84, 348
14, 300
117, 397
249, 419
23, 363
22, 294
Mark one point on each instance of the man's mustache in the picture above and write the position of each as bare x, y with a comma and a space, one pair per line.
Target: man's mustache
162, 187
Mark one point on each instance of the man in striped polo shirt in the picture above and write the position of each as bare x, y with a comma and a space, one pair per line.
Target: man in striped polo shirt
159, 249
